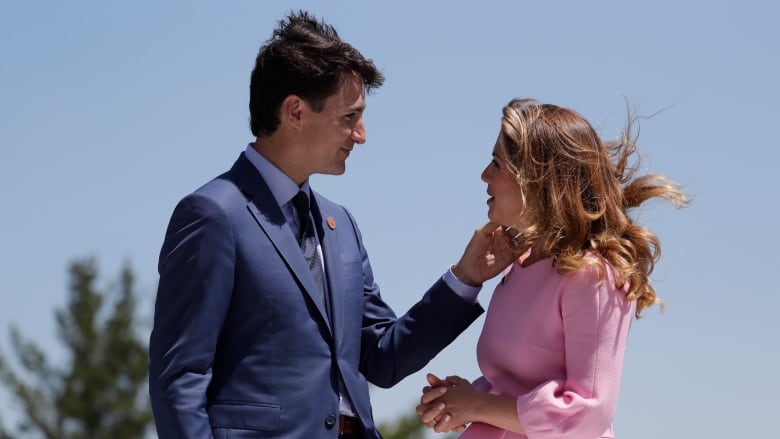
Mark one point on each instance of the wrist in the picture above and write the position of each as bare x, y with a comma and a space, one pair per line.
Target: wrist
462, 276
480, 404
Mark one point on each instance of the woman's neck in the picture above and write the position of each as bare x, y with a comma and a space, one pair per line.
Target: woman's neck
535, 254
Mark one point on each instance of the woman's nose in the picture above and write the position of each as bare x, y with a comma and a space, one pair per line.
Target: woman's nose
486, 174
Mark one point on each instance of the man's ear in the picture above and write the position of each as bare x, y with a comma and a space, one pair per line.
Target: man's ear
291, 111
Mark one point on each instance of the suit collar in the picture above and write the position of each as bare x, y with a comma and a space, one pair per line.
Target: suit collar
281, 185
263, 207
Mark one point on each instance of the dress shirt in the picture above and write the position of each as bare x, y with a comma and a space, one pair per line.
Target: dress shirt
284, 189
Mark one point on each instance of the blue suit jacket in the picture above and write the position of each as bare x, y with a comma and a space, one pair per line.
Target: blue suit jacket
242, 346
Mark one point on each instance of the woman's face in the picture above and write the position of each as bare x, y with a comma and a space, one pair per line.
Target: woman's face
505, 205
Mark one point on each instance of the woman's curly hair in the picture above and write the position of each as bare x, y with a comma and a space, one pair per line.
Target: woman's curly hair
577, 191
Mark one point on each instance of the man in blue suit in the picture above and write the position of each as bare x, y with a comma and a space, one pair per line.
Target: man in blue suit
268, 322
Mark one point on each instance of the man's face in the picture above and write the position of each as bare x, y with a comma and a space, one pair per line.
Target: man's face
329, 135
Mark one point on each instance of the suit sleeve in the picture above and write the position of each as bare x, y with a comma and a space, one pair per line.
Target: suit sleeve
393, 348
596, 321
196, 280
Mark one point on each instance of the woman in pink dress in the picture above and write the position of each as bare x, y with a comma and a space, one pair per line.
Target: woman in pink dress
551, 349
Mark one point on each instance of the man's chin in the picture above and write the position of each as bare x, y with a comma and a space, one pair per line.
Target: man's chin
335, 171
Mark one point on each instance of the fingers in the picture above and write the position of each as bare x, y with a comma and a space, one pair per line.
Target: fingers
432, 395
434, 417
487, 254
490, 228
447, 424
443, 425
436, 425
437, 388
434, 381
459, 428
454, 380
430, 412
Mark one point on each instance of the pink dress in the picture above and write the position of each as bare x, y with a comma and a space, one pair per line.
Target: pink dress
556, 342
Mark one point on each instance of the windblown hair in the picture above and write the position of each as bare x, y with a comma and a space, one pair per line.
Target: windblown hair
577, 191
303, 57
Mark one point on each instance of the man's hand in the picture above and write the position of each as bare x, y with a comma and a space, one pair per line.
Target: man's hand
488, 253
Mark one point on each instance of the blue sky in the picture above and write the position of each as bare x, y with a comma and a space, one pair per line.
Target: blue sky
111, 112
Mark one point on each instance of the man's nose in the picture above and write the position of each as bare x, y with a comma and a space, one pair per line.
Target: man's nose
359, 132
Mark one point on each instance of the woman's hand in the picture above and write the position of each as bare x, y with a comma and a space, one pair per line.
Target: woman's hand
444, 404
453, 403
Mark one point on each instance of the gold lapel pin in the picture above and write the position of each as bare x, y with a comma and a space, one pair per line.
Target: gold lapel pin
331, 223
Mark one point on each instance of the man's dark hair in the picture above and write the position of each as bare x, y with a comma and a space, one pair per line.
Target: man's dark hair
304, 57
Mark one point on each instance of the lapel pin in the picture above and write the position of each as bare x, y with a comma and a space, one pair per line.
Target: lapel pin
331, 223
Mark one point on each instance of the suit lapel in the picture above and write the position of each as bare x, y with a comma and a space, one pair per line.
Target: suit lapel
268, 215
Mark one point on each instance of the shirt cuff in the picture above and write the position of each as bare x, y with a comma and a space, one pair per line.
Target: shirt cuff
466, 292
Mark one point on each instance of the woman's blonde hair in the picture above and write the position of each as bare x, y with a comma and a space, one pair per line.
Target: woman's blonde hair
577, 191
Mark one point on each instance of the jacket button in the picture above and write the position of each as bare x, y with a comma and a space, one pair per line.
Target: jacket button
330, 421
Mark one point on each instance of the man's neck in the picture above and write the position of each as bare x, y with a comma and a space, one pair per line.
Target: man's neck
280, 154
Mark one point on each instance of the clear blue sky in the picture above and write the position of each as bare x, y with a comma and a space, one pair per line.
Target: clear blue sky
112, 111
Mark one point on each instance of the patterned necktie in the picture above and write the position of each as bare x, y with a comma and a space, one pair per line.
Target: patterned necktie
309, 247
308, 240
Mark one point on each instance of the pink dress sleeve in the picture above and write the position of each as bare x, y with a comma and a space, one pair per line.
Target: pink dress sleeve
596, 319
481, 385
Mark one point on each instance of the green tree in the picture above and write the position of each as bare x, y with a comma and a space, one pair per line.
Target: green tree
100, 392
405, 427
409, 427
